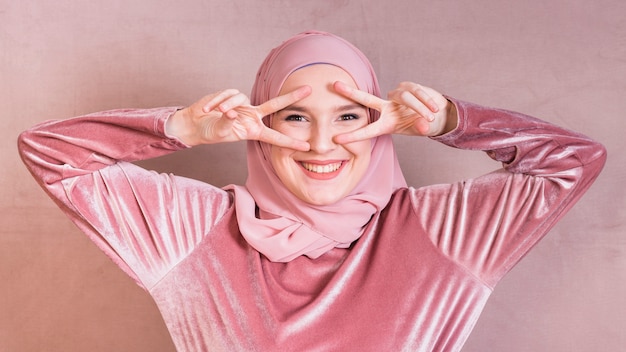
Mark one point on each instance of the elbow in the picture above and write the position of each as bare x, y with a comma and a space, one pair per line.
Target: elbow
597, 156
602, 153
593, 159
24, 146
31, 151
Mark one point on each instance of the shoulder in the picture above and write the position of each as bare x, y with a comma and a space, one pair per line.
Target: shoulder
191, 196
411, 197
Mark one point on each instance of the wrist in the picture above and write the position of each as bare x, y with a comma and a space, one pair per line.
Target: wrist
452, 118
177, 126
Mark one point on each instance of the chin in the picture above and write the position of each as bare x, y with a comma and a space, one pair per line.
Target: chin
320, 201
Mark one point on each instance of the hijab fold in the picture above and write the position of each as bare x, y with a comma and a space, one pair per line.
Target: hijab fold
273, 220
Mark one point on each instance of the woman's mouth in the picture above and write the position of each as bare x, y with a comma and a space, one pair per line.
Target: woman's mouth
321, 169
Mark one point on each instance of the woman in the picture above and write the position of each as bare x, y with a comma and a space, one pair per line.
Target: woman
325, 247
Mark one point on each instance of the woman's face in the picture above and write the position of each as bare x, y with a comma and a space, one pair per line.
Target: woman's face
329, 171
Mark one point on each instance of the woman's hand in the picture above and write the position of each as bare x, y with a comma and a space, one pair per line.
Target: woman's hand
411, 109
227, 116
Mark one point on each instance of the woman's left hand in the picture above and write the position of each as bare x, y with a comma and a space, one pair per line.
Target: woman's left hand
411, 109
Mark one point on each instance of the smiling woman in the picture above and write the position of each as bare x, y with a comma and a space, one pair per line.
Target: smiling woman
325, 247
328, 171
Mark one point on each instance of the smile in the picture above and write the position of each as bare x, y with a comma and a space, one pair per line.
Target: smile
321, 169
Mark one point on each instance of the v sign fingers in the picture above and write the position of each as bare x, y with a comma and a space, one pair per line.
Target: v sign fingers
416, 100
223, 101
371, 130
371, 101
417, 97
271, 106
280, 102
437, 114
395, 117
359, 96
278, 139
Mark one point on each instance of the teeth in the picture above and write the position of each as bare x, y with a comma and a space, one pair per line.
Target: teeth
322, 169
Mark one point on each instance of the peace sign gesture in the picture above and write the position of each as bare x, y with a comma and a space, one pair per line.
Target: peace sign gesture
412, 109
227, 116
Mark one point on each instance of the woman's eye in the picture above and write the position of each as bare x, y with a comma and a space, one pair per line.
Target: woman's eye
295, 118
348, 117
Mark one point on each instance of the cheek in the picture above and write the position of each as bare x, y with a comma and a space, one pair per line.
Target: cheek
361, 150
276, 155
281, 160
301, 132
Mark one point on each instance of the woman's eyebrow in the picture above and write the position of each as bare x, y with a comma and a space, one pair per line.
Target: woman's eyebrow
295, 108
341, 108
350, 107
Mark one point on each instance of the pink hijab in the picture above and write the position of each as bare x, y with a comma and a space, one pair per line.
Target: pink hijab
273, 220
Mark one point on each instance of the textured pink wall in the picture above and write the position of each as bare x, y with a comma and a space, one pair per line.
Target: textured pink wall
564, 61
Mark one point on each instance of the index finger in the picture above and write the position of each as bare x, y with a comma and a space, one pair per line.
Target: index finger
368, 131
283, 101
359, 96
276, 138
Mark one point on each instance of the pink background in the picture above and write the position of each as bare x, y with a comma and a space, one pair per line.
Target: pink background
564, 61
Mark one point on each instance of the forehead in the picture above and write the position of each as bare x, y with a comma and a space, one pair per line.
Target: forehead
316, 76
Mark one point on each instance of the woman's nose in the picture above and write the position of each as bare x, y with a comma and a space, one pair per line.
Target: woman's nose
321, 139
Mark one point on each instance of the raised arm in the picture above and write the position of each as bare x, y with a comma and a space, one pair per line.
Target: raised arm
146, 222
135, 216
489, 223
57, 150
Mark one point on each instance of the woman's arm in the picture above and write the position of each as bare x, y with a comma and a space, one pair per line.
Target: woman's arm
146, 222
57, 150
489, 223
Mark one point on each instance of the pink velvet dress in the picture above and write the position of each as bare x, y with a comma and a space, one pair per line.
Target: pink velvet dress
416, 280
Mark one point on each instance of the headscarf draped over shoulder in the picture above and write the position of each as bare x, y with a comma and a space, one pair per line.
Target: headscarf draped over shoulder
273, 220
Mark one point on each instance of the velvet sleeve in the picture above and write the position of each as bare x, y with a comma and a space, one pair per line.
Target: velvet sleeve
145, 221
489, 223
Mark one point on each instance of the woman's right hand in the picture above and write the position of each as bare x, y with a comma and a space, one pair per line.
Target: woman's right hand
411, 109
227, 116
